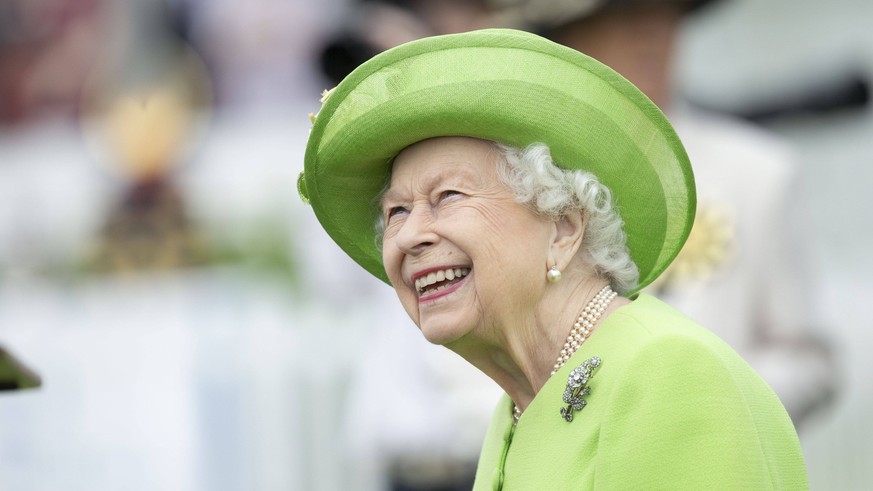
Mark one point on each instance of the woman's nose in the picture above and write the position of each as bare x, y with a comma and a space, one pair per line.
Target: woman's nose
416, 233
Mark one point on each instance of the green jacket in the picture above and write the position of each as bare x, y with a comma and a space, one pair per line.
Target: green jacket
670, 407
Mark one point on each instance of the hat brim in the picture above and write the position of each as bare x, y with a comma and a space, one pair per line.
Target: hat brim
511, 87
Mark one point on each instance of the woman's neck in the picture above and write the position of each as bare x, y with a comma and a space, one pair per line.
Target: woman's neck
520, 354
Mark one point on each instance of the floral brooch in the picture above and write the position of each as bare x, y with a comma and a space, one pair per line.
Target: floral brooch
577, 387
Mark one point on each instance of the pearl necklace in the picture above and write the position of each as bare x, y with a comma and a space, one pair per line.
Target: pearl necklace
579, 333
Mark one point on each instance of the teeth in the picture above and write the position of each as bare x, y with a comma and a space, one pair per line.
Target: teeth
437, 276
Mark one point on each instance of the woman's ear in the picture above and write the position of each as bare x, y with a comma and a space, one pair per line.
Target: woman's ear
567, 239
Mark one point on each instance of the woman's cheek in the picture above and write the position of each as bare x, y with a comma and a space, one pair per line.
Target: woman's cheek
391, 261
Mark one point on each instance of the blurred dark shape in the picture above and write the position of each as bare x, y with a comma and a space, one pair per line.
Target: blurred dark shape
431, 475
372, 27
179, 19
376, 25
14, 375
344, 53
850, 92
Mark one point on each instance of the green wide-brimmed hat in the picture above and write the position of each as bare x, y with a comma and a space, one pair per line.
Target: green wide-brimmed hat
511, 87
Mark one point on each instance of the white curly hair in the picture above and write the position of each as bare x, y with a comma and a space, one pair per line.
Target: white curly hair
552, 192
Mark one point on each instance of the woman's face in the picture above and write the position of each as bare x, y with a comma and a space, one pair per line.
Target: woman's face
463, 255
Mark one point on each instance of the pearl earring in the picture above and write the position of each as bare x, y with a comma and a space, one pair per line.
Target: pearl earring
554, 274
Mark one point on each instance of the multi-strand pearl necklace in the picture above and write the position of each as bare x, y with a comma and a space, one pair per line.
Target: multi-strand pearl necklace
581, 330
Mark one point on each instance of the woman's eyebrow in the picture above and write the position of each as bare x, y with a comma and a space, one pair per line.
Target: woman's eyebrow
389, 195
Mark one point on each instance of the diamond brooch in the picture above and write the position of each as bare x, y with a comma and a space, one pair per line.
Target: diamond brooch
577, 387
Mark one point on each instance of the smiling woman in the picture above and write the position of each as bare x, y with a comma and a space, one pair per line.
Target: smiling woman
522, 244
446, 208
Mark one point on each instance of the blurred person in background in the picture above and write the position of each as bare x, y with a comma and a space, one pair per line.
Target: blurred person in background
492, 247
145, 131
741, 274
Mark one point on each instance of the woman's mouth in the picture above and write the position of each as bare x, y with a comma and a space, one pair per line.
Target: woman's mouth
440, 282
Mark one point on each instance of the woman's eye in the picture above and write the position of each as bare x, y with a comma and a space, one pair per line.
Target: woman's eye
394, 211
449, 193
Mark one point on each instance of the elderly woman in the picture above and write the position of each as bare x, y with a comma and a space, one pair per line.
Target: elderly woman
522, 195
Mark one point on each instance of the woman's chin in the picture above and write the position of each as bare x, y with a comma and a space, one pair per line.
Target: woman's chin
441, 335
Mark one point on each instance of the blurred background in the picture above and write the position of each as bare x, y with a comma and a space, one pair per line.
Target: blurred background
173, 318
